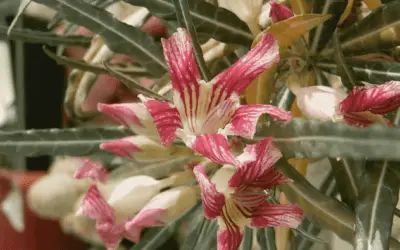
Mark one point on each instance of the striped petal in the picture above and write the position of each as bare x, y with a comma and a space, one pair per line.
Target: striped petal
375, 99
132, 115
179, 55
259, 173
213, 146
229, 239
279, 12
213, 201
277, 215
88, 168
95, 207
247, 68
140, 148
110, 233
244, 120
165, 117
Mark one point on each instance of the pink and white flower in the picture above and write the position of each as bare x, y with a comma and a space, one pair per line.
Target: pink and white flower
88, 168
235, 195
362, 106
146, 145
203, 113
279, 12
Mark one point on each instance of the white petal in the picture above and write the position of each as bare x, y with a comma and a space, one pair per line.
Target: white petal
222, 177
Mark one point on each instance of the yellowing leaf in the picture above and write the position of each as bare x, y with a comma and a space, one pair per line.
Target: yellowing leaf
261, 88
289, 30
373, 4
346, 12
300, 7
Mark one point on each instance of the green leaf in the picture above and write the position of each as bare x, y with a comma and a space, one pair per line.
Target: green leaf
71, 141
327, 212
218, 23
157, 236
42, 37
118, 36
375, 72
323, 33
328, 188
346, 73
95, 68
321, 78
22, 7
266, 238
379, 30
247, 242
348, 175
300, 138
375, 206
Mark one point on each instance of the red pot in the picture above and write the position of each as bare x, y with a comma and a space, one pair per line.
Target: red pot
39, 234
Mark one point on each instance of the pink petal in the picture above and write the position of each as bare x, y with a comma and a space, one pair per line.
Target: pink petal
244, 120
229, 239
213, 201
91, 169
247, 68
165, 117
145, 218
277, 215
179, 55
215, 147
122, 147
95, 207
279, 12
123, 113
110, 233
377, 99
261, 172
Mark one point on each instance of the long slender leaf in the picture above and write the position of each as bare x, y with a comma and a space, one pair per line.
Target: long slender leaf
375, 72
375, 206
218, 23
120, 37
73, 141
327, 212
328, 188
95, 68
379, 30
299, 138
348, 175
346, 73
22, 7
247, 242
323, 33
42, 37
266, 238
155, 237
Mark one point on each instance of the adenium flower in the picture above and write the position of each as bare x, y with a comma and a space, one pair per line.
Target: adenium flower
203, 113
146, 145
362, 106
279, 12
235, 195
164, 208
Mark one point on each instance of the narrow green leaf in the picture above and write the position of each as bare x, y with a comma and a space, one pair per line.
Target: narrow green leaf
323, 33
133, 85
185, 20
95, 68
42, 37
375, 72
157, 236
300, 138
284, 98
328, 188
375, 206
118, 36
320, 78
379, 30
348, 175
346, 73
327, 212
71, 141
218, 23
266, 238
247, 242
22, 7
